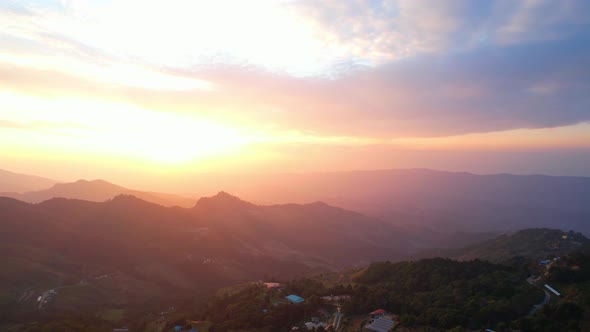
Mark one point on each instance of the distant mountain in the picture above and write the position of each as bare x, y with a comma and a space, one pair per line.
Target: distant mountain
315, 233
154, 254
442, 201
536, 244
97, 191
14, 182
221, 240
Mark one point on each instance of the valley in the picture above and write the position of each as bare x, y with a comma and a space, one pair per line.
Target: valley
126, 261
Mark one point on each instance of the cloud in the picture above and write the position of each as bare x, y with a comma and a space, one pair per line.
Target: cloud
537, 20
67, 129
380, 31
520, 86
398, 68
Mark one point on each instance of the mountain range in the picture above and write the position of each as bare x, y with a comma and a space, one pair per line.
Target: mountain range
413, 198
443, 201
533, 243
126, 252
96, 191
15, 182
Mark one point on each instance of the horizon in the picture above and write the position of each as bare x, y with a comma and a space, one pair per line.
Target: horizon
184, 165
285, 86
212, 189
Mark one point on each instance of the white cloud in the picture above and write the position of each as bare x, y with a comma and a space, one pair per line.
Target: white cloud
302, 38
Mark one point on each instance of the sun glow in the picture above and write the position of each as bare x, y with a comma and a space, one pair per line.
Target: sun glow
183, 33
83, 126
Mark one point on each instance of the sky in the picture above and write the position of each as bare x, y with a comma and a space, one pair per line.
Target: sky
133, 90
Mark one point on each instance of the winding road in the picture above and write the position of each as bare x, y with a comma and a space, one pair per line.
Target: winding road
531, 280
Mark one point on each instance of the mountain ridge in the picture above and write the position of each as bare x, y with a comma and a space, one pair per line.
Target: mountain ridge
98, 191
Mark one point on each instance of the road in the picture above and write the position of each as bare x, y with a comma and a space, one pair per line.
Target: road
540, 305
49, 295
338, 319
531, 280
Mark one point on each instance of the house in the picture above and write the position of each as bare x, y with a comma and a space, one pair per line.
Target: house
295, 299
544, 262
315, 323
383, 323
377, 312
552, 290
272, 285
337, 298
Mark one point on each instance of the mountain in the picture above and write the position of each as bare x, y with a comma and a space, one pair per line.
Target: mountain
319, 234
426, 295
442, 201
154, 254
14, 182
97, 191
535, 244
132, 255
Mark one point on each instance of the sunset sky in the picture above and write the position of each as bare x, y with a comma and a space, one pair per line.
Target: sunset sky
125, 90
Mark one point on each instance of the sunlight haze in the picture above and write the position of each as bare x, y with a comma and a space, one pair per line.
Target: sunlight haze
186, 87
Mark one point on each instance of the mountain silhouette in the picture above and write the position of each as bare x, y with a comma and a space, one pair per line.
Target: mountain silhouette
97, 191
18, 183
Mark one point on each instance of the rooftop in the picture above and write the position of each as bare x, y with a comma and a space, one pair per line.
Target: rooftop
295, 299
381, 324
378, 312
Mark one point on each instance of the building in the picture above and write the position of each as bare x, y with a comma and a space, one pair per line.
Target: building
383, 323
336, 298
272, 285
295, 299
544, 262
552, 290
377, 312
315, 323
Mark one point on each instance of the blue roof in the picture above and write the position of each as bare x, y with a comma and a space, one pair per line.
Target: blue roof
177, 328
295, 298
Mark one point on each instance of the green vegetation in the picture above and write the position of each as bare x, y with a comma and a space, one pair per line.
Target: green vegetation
571, 276
112, 315
70, 324
445, 293
435, 292
533, 243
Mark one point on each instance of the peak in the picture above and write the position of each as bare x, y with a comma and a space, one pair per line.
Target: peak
224, 195
223, 200
129, 200
88, 184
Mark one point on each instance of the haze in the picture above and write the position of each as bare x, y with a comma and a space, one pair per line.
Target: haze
148, 94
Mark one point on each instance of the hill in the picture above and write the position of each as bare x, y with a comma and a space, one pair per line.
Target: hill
442, 201
535, 244
14, 182
152, 255
97, 191
432, 295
